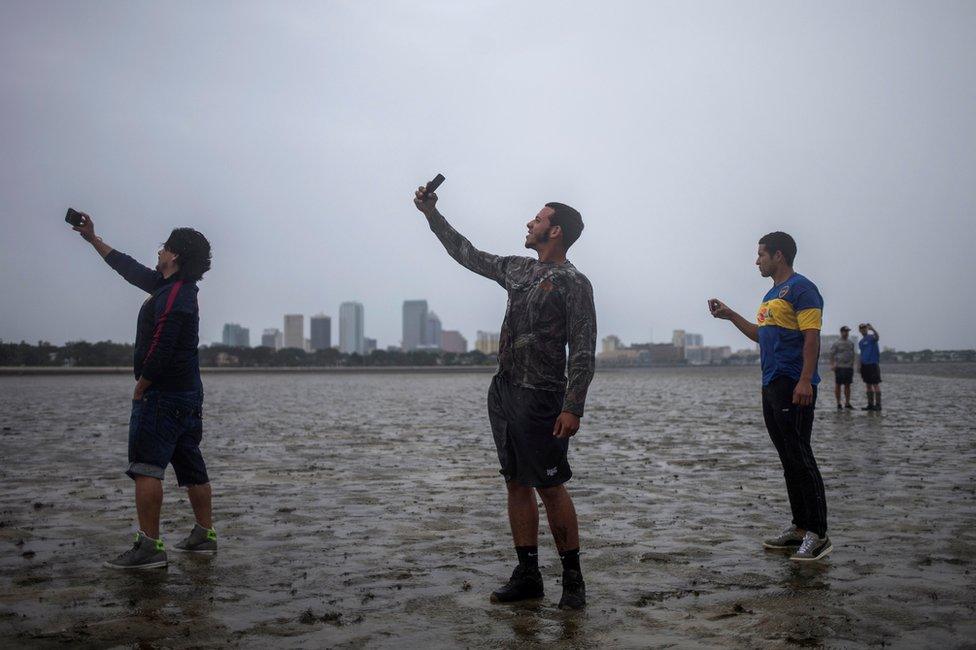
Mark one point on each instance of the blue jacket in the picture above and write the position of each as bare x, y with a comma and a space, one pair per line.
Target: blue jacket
167, 330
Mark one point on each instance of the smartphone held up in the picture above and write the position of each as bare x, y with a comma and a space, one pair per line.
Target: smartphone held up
74, 218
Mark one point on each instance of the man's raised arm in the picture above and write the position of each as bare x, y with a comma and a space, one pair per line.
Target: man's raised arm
457, 246
132, 271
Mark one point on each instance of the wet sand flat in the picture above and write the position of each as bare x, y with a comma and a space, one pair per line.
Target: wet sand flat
367, 511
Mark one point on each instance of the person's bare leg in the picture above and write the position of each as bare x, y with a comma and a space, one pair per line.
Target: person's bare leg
837, 392
200, 500
523, 514
562, 517
149, 501
847, 393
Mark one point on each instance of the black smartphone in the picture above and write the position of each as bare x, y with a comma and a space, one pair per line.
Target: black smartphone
434, 184
73, 217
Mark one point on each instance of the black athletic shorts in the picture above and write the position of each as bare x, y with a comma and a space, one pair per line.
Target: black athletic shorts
843, 376
871, 373
522, 420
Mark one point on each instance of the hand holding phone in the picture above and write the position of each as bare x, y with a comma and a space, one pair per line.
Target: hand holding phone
74, 217
434, 184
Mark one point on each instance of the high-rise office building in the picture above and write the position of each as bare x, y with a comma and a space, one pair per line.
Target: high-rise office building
433, 331
414, 324
271, 338
694, 340
611, 343
351, 324
369, 345
295, 331
678, 338
487, 342
321, 332
236, 336
453, 341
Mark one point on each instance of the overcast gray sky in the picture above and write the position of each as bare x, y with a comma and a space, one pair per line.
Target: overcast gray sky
292, 134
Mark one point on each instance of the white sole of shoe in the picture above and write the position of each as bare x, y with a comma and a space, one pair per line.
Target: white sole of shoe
822, 555
152, 565
186, 550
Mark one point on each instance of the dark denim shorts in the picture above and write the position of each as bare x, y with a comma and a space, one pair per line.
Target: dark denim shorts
166, 427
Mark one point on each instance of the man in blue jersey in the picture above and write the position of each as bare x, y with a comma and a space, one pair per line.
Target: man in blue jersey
870, 365
787, 329
166, 424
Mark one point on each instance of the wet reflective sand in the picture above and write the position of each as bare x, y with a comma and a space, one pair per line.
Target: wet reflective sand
367, 510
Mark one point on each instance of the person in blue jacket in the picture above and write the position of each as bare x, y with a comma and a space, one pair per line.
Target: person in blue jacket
166, 424
870, 365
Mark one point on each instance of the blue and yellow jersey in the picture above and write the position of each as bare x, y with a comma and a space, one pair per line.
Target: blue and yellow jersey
788, 308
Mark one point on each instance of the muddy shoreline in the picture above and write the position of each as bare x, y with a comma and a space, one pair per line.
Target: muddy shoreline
365, 510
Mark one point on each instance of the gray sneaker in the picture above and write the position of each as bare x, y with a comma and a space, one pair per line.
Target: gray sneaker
146, 553
200, 540
788, 539
812, 548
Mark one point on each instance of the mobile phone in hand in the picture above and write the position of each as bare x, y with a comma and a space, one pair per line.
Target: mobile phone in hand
73, 217
434, 184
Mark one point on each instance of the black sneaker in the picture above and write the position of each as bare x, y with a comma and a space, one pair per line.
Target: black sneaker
813, 548
848, 406
524, 584
839, 407
574, 591
868, 408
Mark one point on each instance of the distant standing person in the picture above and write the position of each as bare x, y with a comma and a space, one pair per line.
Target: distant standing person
166, 424
870, 365
788, 333
842, 356
533, 407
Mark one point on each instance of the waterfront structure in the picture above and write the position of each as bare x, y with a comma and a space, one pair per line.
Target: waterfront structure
414, 324
236, 336
433, 331
320, 327
295, 331
352, 319
453, 341
611, 343
272, 338
487, 342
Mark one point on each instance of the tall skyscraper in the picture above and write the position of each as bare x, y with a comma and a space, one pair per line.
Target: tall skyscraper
369, 345
352, 321
321, 331
487, 342
414, 324
678, 338
453, 341
295, 331
271, 338
236, 336
432, 335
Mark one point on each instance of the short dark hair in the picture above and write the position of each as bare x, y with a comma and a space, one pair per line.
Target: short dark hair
569, 220
780, 241
193, 251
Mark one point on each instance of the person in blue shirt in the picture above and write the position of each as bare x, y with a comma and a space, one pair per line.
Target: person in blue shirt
787, 329
870, 365
166, 423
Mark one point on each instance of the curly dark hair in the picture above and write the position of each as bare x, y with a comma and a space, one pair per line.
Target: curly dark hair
193, 251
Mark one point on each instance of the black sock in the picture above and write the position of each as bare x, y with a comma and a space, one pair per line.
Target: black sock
877, 399
870, 399
528, 556
570, 560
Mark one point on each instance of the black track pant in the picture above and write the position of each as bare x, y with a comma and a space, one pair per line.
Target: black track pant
789, 428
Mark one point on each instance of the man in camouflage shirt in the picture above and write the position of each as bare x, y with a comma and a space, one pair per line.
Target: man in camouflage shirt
534, 403
842, 356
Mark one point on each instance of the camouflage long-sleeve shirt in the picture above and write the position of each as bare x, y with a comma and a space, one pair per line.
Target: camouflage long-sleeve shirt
549, 305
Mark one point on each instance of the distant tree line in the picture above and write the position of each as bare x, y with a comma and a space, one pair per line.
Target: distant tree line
107, 353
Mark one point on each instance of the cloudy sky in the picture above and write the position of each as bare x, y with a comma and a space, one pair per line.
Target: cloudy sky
292, 134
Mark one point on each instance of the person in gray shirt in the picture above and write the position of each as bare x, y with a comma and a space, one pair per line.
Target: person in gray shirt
842, 355
537, 397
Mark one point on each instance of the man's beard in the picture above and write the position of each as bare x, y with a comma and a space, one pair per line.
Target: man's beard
542, 239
